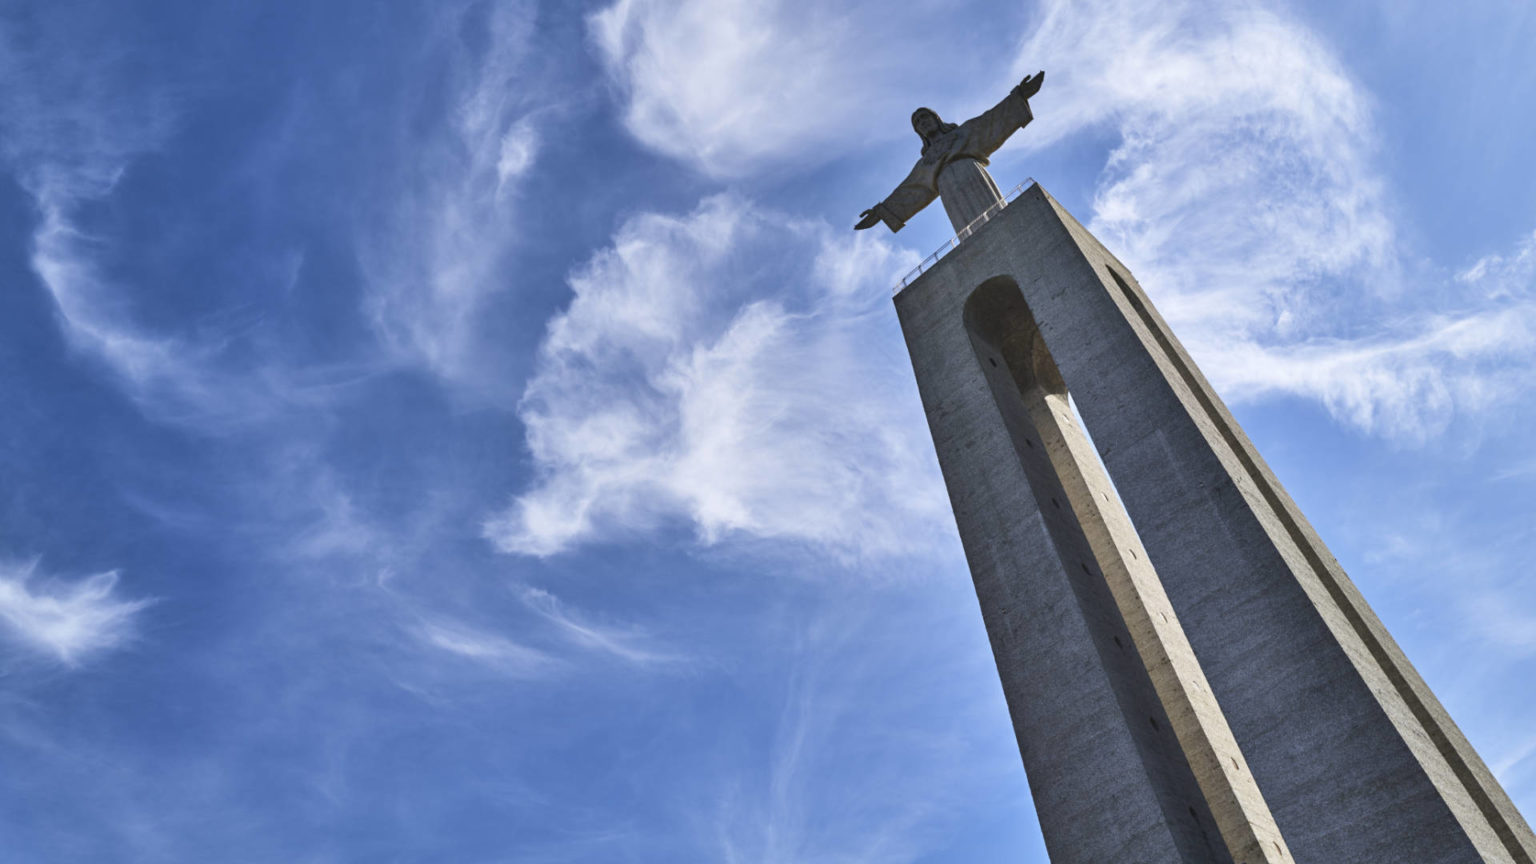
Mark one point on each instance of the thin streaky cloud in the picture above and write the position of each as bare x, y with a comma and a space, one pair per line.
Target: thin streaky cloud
72, 130
441, 250
1507, 762
1513, 272
628, 644
484, 648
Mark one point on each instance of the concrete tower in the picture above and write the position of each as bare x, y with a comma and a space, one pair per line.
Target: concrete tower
1191, 675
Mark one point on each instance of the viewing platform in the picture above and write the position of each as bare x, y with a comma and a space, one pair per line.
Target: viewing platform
965, 232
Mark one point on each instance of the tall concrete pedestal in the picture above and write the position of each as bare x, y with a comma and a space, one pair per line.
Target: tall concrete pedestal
1207, 685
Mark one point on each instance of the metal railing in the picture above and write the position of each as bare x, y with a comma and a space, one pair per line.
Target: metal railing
986, 215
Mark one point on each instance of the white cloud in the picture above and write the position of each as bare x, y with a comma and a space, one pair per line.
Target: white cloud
163, 373
334, 525
1502, 275
735, 370
519, 146
1243, 194
734, 86
1407, 386
70, 130
624, 643
172, 377
491, 650
442, 250
69, 622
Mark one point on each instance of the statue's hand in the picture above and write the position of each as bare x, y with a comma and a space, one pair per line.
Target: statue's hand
868, 220
1031, 85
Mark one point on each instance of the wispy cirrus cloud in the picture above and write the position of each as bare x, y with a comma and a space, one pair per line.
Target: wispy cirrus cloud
441, 249
558, 642
732, 87
1408, 383
171, 376
66, 621
485, 648
1504, 274
627, 644
70, 132
1244, 193
1515, 762
431, 255
1444, 561
735, 370
72, 128
826, 781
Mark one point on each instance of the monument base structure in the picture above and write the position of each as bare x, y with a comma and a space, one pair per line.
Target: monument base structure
1191, 675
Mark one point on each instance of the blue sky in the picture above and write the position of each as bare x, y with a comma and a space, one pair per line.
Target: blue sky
470, 431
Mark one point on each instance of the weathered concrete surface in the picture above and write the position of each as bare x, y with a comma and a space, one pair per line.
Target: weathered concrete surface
1356, 760
1032, 399
1069, 670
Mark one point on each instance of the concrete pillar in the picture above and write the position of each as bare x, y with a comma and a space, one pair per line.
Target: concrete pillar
1206, 685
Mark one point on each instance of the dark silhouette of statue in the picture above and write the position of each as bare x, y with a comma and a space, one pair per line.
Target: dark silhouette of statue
954, 160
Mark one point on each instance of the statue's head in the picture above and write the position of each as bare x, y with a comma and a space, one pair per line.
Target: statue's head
928, 125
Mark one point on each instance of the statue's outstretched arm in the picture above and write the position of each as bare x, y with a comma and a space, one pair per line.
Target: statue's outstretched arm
914, 193
988, 130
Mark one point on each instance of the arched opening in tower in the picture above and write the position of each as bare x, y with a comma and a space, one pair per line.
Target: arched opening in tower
1100, 555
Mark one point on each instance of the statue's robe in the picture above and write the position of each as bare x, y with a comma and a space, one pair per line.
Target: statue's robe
976, 138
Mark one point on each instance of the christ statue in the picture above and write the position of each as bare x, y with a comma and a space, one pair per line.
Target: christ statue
954, 160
